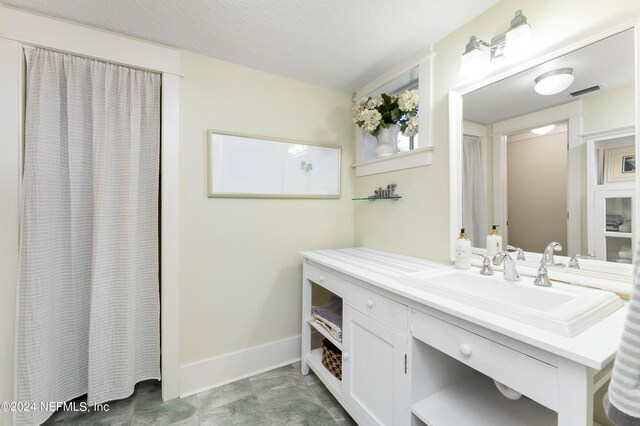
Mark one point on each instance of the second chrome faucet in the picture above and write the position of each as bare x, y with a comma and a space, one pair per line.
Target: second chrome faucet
510, 272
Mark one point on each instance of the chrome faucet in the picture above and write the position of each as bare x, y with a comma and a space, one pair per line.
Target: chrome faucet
510, 272
573, 262
547, 256
518, 250
486, 264
542, 279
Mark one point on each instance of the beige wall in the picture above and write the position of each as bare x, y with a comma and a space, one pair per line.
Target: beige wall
418, 224
537, 191
608, 109
240, 271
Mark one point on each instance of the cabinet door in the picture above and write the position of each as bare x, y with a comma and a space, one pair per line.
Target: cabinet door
614, 211
375, 382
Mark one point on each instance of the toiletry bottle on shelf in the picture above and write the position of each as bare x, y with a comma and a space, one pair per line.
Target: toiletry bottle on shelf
494, 242
463, 251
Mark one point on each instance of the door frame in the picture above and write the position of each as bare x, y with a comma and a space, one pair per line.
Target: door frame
18, 29
570, 112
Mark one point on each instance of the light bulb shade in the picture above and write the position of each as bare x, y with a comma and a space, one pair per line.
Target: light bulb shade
543, 130
554, 82
473, 63
517, 41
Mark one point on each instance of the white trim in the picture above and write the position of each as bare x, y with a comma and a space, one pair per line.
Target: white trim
11, 112
423, 156
455, 168
404, 160
425, 86
415, 60
571, 112
636, 217
30, 29
217, 371
170, 236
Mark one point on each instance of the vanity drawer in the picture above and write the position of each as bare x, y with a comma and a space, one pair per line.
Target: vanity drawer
325, 279
529, 376
378, 307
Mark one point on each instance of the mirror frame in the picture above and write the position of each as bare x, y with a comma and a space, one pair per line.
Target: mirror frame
456, 93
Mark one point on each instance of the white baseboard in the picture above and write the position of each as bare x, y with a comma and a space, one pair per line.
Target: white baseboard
213, 372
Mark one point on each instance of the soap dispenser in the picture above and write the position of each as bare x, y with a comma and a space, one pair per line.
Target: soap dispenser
494, 242
463, 251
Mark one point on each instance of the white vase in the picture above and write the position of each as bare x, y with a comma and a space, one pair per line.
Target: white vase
388, 141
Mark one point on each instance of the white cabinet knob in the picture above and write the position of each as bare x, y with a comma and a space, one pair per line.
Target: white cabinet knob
465, 349
370, 303
345, 355
321, 278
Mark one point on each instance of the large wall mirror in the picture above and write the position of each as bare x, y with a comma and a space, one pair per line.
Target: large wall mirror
554, 167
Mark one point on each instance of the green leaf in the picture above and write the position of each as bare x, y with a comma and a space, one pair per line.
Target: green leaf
375, 132
386, 98
396, 114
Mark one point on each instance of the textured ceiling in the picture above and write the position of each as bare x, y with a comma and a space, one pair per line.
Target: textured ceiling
341, 44
608, 63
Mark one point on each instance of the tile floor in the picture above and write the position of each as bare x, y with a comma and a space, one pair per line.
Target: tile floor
278, 397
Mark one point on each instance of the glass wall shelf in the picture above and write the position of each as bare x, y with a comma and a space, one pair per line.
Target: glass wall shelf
373, 198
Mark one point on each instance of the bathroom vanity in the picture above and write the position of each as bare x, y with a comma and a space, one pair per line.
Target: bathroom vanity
418, 350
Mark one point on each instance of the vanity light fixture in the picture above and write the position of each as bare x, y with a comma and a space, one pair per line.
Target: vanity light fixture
554, 82
543, 130
515, 41
474, 61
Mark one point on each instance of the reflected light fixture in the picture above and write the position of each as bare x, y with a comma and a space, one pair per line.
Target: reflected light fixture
553, 82
512, 43
543, 130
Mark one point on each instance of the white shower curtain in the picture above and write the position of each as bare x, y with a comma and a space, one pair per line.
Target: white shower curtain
474, 203
88, 291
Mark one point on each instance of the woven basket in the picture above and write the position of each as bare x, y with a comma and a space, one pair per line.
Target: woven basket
332, 358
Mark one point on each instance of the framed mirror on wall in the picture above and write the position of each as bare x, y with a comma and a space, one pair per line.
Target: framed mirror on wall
542, 163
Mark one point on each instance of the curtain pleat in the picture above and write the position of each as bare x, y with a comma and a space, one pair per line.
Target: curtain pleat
474, 203
88, 292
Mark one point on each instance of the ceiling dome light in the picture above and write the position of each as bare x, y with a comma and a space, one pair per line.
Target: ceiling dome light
543, 130
554, 82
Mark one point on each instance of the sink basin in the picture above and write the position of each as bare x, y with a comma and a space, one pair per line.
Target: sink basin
562, 309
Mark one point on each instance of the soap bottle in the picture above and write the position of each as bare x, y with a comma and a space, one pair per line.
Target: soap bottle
463, 251
494, 242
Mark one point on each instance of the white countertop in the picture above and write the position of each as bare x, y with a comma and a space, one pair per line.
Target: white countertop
594, 347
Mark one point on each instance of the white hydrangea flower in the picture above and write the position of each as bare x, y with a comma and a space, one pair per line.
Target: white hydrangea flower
408, 100
358, 108
374, 103
412, 126
371, 119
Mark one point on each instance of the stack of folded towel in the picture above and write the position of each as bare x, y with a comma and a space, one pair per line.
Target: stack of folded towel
329, 316
624, 255
614, 221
